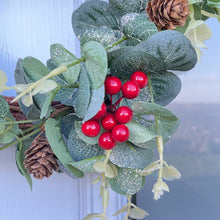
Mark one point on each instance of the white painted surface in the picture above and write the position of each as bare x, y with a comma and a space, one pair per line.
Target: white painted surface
28, 28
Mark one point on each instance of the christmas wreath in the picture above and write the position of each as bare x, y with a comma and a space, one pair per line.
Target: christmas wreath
104, 112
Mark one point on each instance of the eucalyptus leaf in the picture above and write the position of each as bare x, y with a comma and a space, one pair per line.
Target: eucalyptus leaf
123, 183
129, 156
79, 149
96, 63
20, 156
139, 133
173, 48
62, 56
4, 107
2, 125
213, 3
83, 96
55, 139
137, 27
67, 123
96, 101
51, 65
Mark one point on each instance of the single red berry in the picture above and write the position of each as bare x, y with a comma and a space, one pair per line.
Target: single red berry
91, 128
130, 90
106, 142
123, 115
101, 112
140, 78
112, 85
108, 122
120, 133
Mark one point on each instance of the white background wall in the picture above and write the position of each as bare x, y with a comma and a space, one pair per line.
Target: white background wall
28, 28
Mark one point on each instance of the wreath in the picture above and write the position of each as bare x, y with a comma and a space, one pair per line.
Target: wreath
104, 112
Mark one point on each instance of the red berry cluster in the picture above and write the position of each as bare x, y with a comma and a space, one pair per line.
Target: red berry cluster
113, 118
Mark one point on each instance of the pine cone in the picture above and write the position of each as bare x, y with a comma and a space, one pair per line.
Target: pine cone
167, 14
40, 160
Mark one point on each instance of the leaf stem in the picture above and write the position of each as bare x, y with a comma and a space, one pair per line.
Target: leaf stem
22, 122
82, 59
117, 42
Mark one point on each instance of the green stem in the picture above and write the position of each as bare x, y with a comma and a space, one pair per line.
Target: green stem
117, 42
22, 122
82, 59
21, 139
32, 128
129, 207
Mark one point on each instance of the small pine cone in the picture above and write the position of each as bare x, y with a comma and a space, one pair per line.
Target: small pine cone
40, 160
167, 14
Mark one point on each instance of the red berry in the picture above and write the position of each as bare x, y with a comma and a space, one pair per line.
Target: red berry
120, 133
130, 90
140, 78
91, 128
112, 85
101, 112
106, 142
123, 115
108, 122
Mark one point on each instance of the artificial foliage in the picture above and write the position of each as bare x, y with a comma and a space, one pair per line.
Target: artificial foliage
105, 111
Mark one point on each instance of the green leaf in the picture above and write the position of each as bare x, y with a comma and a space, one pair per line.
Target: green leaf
137, 27
124, 7
87, 164
165, 85
96, 63
55, 139
20, 156
129, 156
46, 110
83, 96
194, 1
127, 182
92, 14
81, 150
4, 107
139, 133
34, 69
132, 60
2, 125
67, 123
213, 3
62, 56
96, 101
173, 48
104, 35
51, 65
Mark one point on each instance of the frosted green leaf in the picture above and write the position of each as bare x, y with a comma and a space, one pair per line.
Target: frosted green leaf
127, 182
132, 60
79, 149
96, 63
96, 101
194, 1
34, 69
55, 139
20, 156
87, 164
129, 156
170, 173
62, 56
137, 213
93, 14
173, 48
213, 3
4, 108
2, 125
83, 96
137, 27
139, 133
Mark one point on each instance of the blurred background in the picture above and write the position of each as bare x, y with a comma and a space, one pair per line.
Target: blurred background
28, 28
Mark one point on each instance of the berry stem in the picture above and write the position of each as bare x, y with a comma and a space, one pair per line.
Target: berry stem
118, 102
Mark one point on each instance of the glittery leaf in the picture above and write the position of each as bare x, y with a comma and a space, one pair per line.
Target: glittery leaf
139, 133
127, 182
125, 7
83, 96
137, 28
96, 63
79, 149
67, 123
173, 48
129, 156
87, 164
62, 56
4, 108
2, 124
55, 139
96, 101
93, 14
133, 60
104, 35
